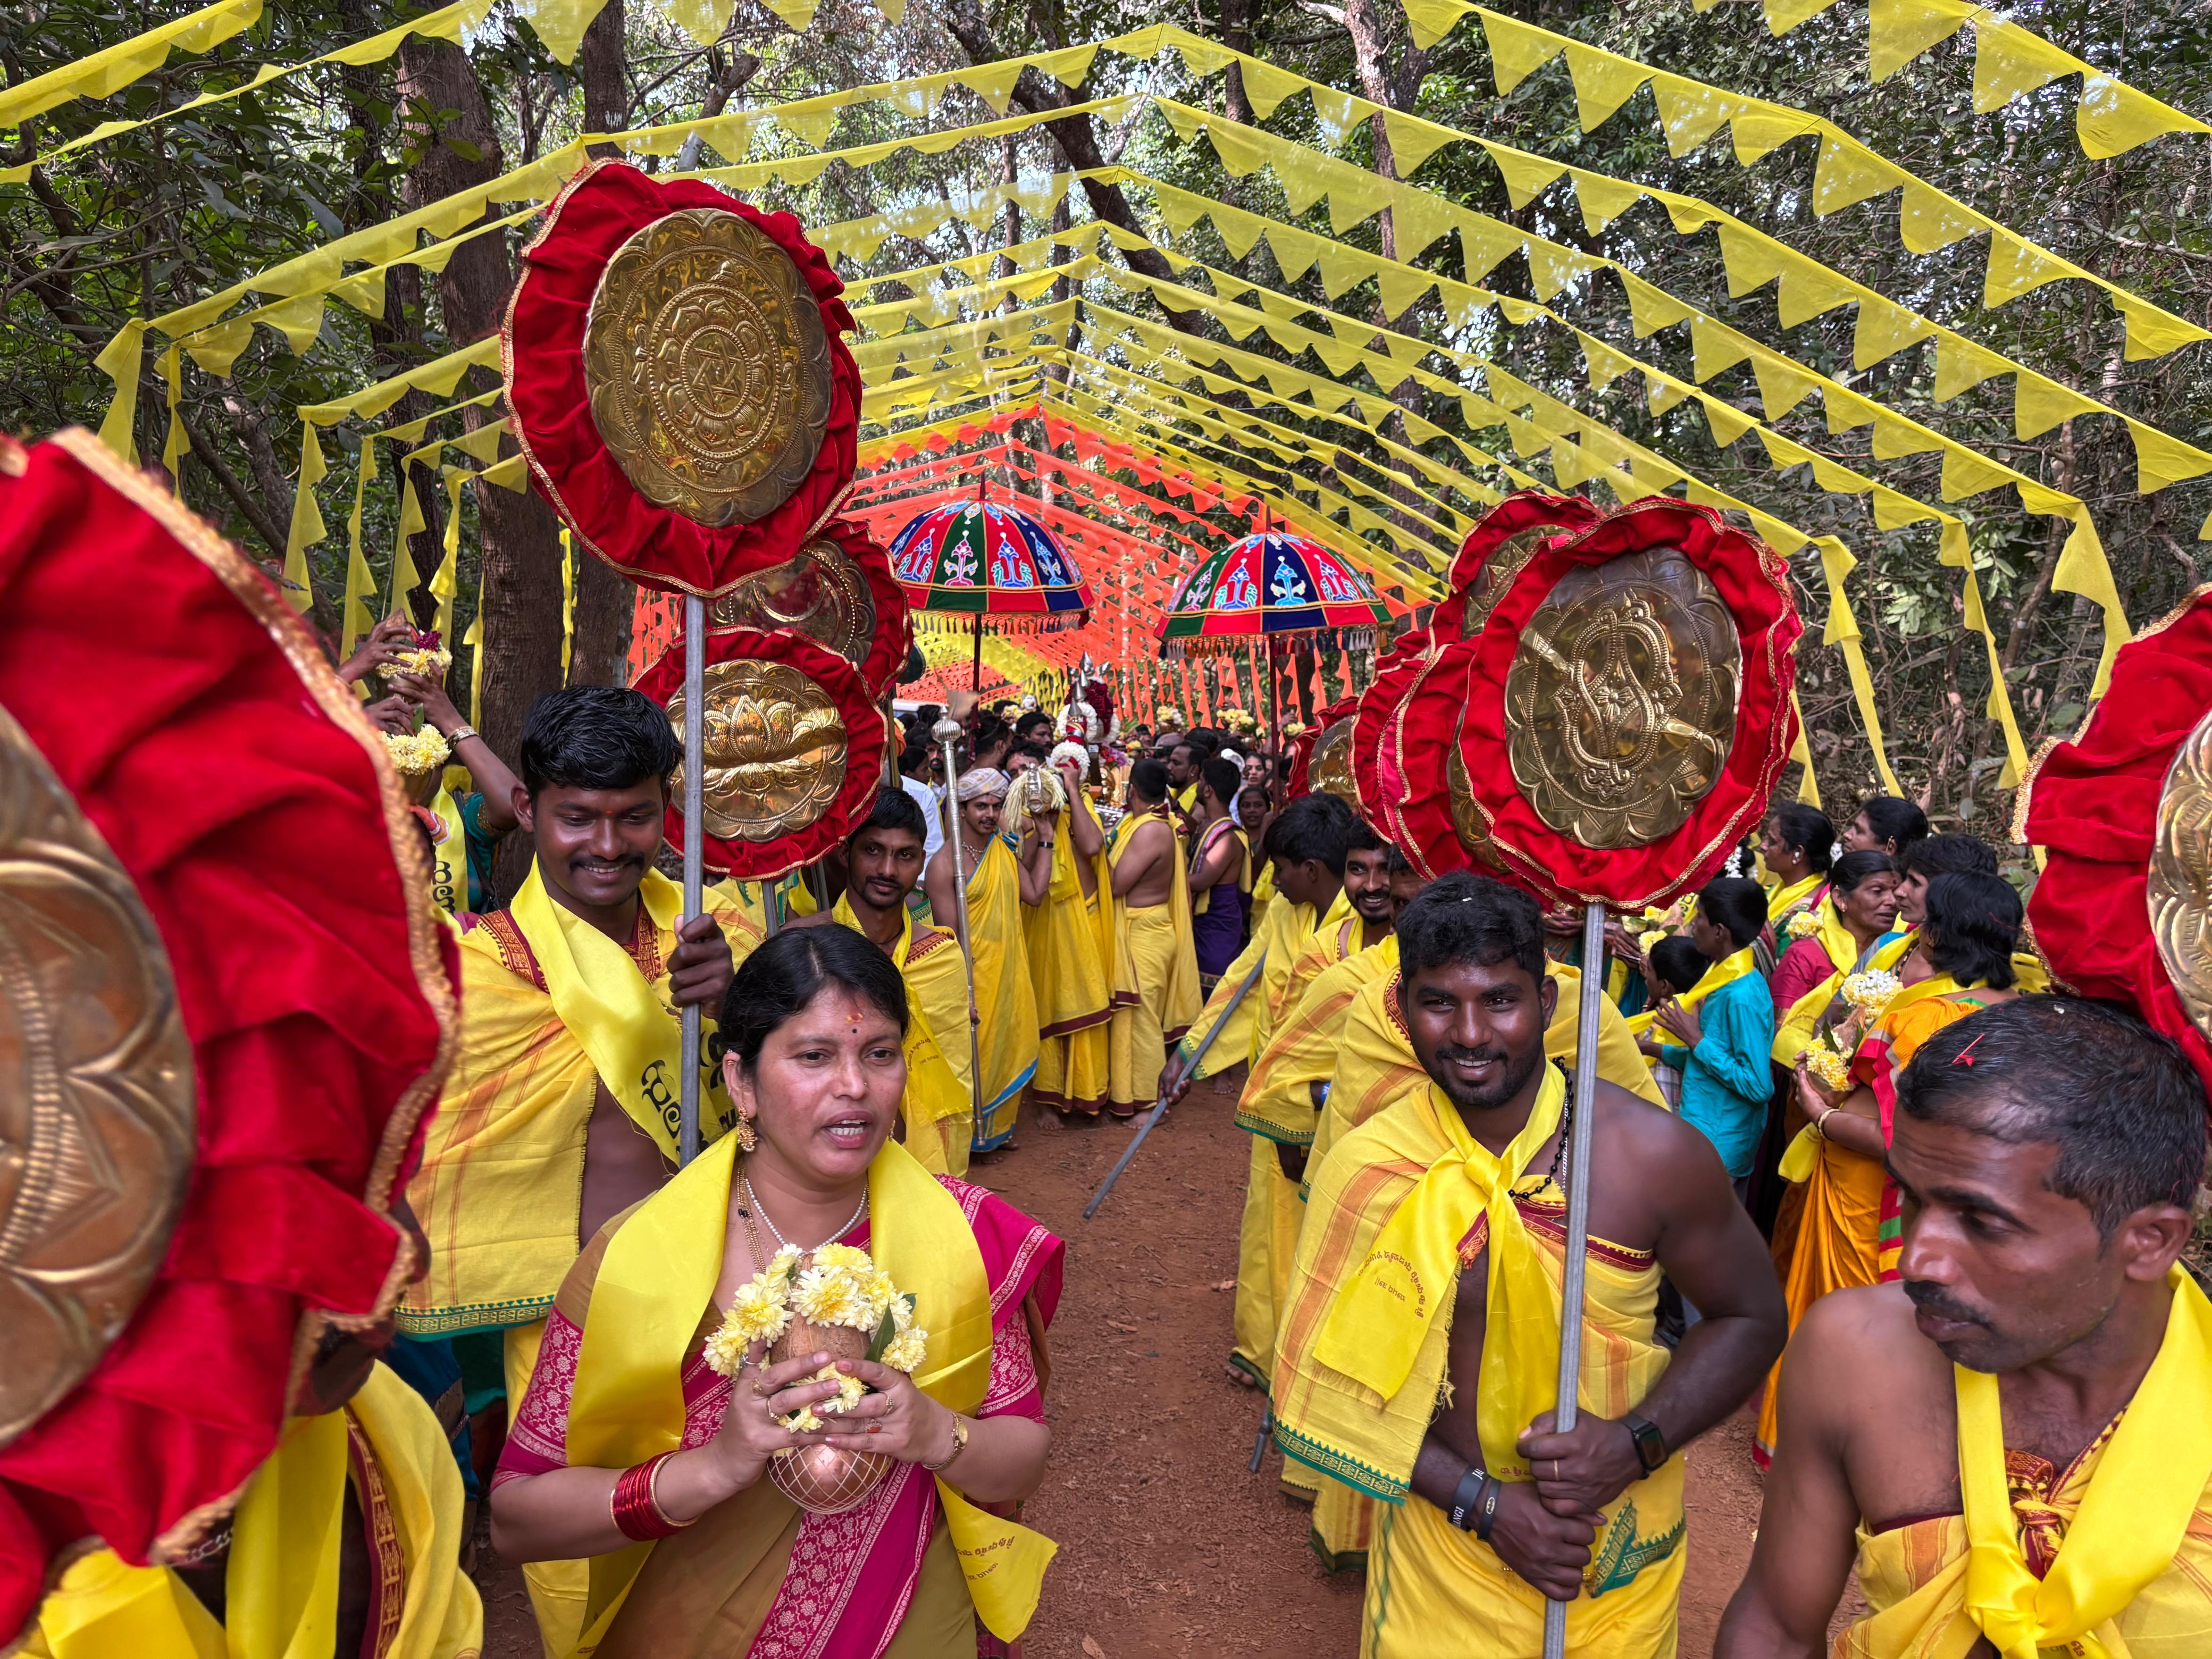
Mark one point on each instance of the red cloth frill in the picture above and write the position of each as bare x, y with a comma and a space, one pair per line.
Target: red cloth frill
866, 738
542, 342
2093, 805
1378, 773
202, 732
1754, 583
1520, 511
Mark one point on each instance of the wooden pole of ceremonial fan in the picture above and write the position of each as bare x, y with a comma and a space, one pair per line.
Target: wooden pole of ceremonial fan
695, 767
1571, 1288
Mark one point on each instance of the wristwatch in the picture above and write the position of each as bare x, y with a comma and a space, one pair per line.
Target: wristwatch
1650, 1444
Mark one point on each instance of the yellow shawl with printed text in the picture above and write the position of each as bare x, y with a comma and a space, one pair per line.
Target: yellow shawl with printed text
550, 1008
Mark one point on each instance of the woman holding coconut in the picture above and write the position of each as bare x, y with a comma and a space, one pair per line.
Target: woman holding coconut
770, 1447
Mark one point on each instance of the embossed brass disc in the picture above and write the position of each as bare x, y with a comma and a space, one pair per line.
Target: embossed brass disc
1620, 706
775, 749
707, 366
2180, 885
1498, 573
96, 1109
820, 592
1330, 768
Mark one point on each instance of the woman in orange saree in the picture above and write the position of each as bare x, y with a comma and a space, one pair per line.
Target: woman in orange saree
631, 1447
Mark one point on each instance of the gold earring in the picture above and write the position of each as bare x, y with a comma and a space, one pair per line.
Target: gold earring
747, 1139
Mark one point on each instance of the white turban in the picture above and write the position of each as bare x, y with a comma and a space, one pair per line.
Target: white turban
1071, 752
980, 781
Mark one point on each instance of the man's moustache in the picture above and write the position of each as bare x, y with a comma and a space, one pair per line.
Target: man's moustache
1941, 1303
1472, 1056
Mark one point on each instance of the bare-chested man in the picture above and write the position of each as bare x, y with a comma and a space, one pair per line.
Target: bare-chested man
2016, 1441
1155, 973
1418, 1355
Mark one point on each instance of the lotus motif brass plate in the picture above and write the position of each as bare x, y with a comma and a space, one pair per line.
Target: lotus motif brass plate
1330, 768
820, 592
707, 366
96, 1112
1620, 705
2180, 884
1498, 572
775, 745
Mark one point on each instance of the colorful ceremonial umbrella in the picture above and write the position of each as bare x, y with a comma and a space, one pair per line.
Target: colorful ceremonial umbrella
978, 558
1270, 587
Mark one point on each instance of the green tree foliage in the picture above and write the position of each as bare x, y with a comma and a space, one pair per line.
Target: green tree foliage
157, 218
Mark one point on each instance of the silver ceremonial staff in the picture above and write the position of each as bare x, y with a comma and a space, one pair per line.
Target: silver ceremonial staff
695, 767
1580, 1139
947, 733
1160, 1106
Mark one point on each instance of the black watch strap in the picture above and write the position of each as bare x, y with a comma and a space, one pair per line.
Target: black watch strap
1466, 1498
1650, 1444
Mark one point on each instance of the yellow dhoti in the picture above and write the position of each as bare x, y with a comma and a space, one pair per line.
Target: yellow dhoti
1073, 983
1267, 1237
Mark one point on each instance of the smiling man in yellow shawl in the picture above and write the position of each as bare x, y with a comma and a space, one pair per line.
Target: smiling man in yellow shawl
562, 1106
1004, 874
882, 863
1420, 1344
1067, 936
1370, 1063
1155, 968
2015, 1442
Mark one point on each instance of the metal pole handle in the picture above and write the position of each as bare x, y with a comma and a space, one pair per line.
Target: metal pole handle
1581, 1138
695, 767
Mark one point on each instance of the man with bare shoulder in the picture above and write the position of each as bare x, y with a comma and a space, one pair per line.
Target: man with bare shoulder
1154, 973
2015, 1440
1419, 1353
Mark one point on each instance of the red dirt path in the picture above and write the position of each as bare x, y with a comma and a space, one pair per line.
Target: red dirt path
1168, 1544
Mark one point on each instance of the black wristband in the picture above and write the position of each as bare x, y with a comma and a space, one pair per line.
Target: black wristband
1488, 1516
1465, 1497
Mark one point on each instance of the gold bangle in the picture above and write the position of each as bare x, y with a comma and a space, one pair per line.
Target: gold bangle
1821, 1123
653, 1496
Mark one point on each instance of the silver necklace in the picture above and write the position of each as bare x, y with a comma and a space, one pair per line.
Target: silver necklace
783, 1243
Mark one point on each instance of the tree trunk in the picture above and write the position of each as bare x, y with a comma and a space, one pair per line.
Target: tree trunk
603, 66
519, 597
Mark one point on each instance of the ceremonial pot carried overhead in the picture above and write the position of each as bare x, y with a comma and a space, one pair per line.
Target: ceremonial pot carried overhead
677, 378
2124, 812
793, 748
224, 1012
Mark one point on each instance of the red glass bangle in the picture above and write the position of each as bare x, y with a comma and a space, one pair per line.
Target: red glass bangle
635, 1514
